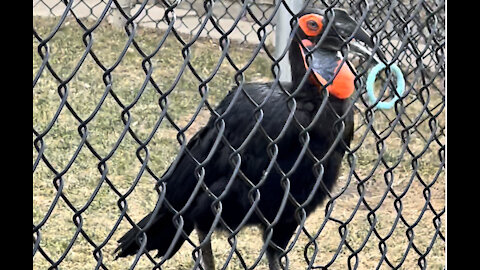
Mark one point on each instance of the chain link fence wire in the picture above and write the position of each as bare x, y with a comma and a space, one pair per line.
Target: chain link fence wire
114, 106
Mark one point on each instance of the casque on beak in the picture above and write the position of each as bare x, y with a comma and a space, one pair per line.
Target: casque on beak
345, 26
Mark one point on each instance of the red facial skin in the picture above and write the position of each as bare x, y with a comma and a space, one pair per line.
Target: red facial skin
342, 86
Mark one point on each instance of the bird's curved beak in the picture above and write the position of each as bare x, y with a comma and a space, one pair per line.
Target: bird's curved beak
344, 27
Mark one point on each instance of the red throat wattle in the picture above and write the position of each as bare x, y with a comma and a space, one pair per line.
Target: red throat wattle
342, 85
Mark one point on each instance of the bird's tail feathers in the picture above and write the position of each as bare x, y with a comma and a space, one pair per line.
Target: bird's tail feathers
160, 234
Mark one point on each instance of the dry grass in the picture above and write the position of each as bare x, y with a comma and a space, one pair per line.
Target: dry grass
84, 92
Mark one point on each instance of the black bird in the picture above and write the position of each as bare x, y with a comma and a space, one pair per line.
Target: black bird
289, 149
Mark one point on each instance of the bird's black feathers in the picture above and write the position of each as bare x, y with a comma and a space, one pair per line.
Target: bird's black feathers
288, 142
239, 122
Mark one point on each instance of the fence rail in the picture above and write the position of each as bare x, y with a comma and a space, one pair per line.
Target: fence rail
121, 87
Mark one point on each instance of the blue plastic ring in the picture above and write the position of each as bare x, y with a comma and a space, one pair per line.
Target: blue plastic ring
371, 81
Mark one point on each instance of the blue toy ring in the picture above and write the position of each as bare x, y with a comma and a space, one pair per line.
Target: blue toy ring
371, 81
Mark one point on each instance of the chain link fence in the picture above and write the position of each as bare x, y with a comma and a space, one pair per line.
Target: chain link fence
121, 87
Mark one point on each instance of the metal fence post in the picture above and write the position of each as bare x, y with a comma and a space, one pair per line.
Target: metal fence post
116, 17
282, 32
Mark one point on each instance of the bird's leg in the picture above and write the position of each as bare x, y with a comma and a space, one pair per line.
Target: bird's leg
206, 259
273, 260
280, 237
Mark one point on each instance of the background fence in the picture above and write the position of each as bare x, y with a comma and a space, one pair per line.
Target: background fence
112, 103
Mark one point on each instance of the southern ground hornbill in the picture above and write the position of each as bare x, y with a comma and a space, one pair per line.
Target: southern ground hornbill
303, 127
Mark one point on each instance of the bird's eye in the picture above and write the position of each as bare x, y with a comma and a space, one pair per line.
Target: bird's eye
312, 25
